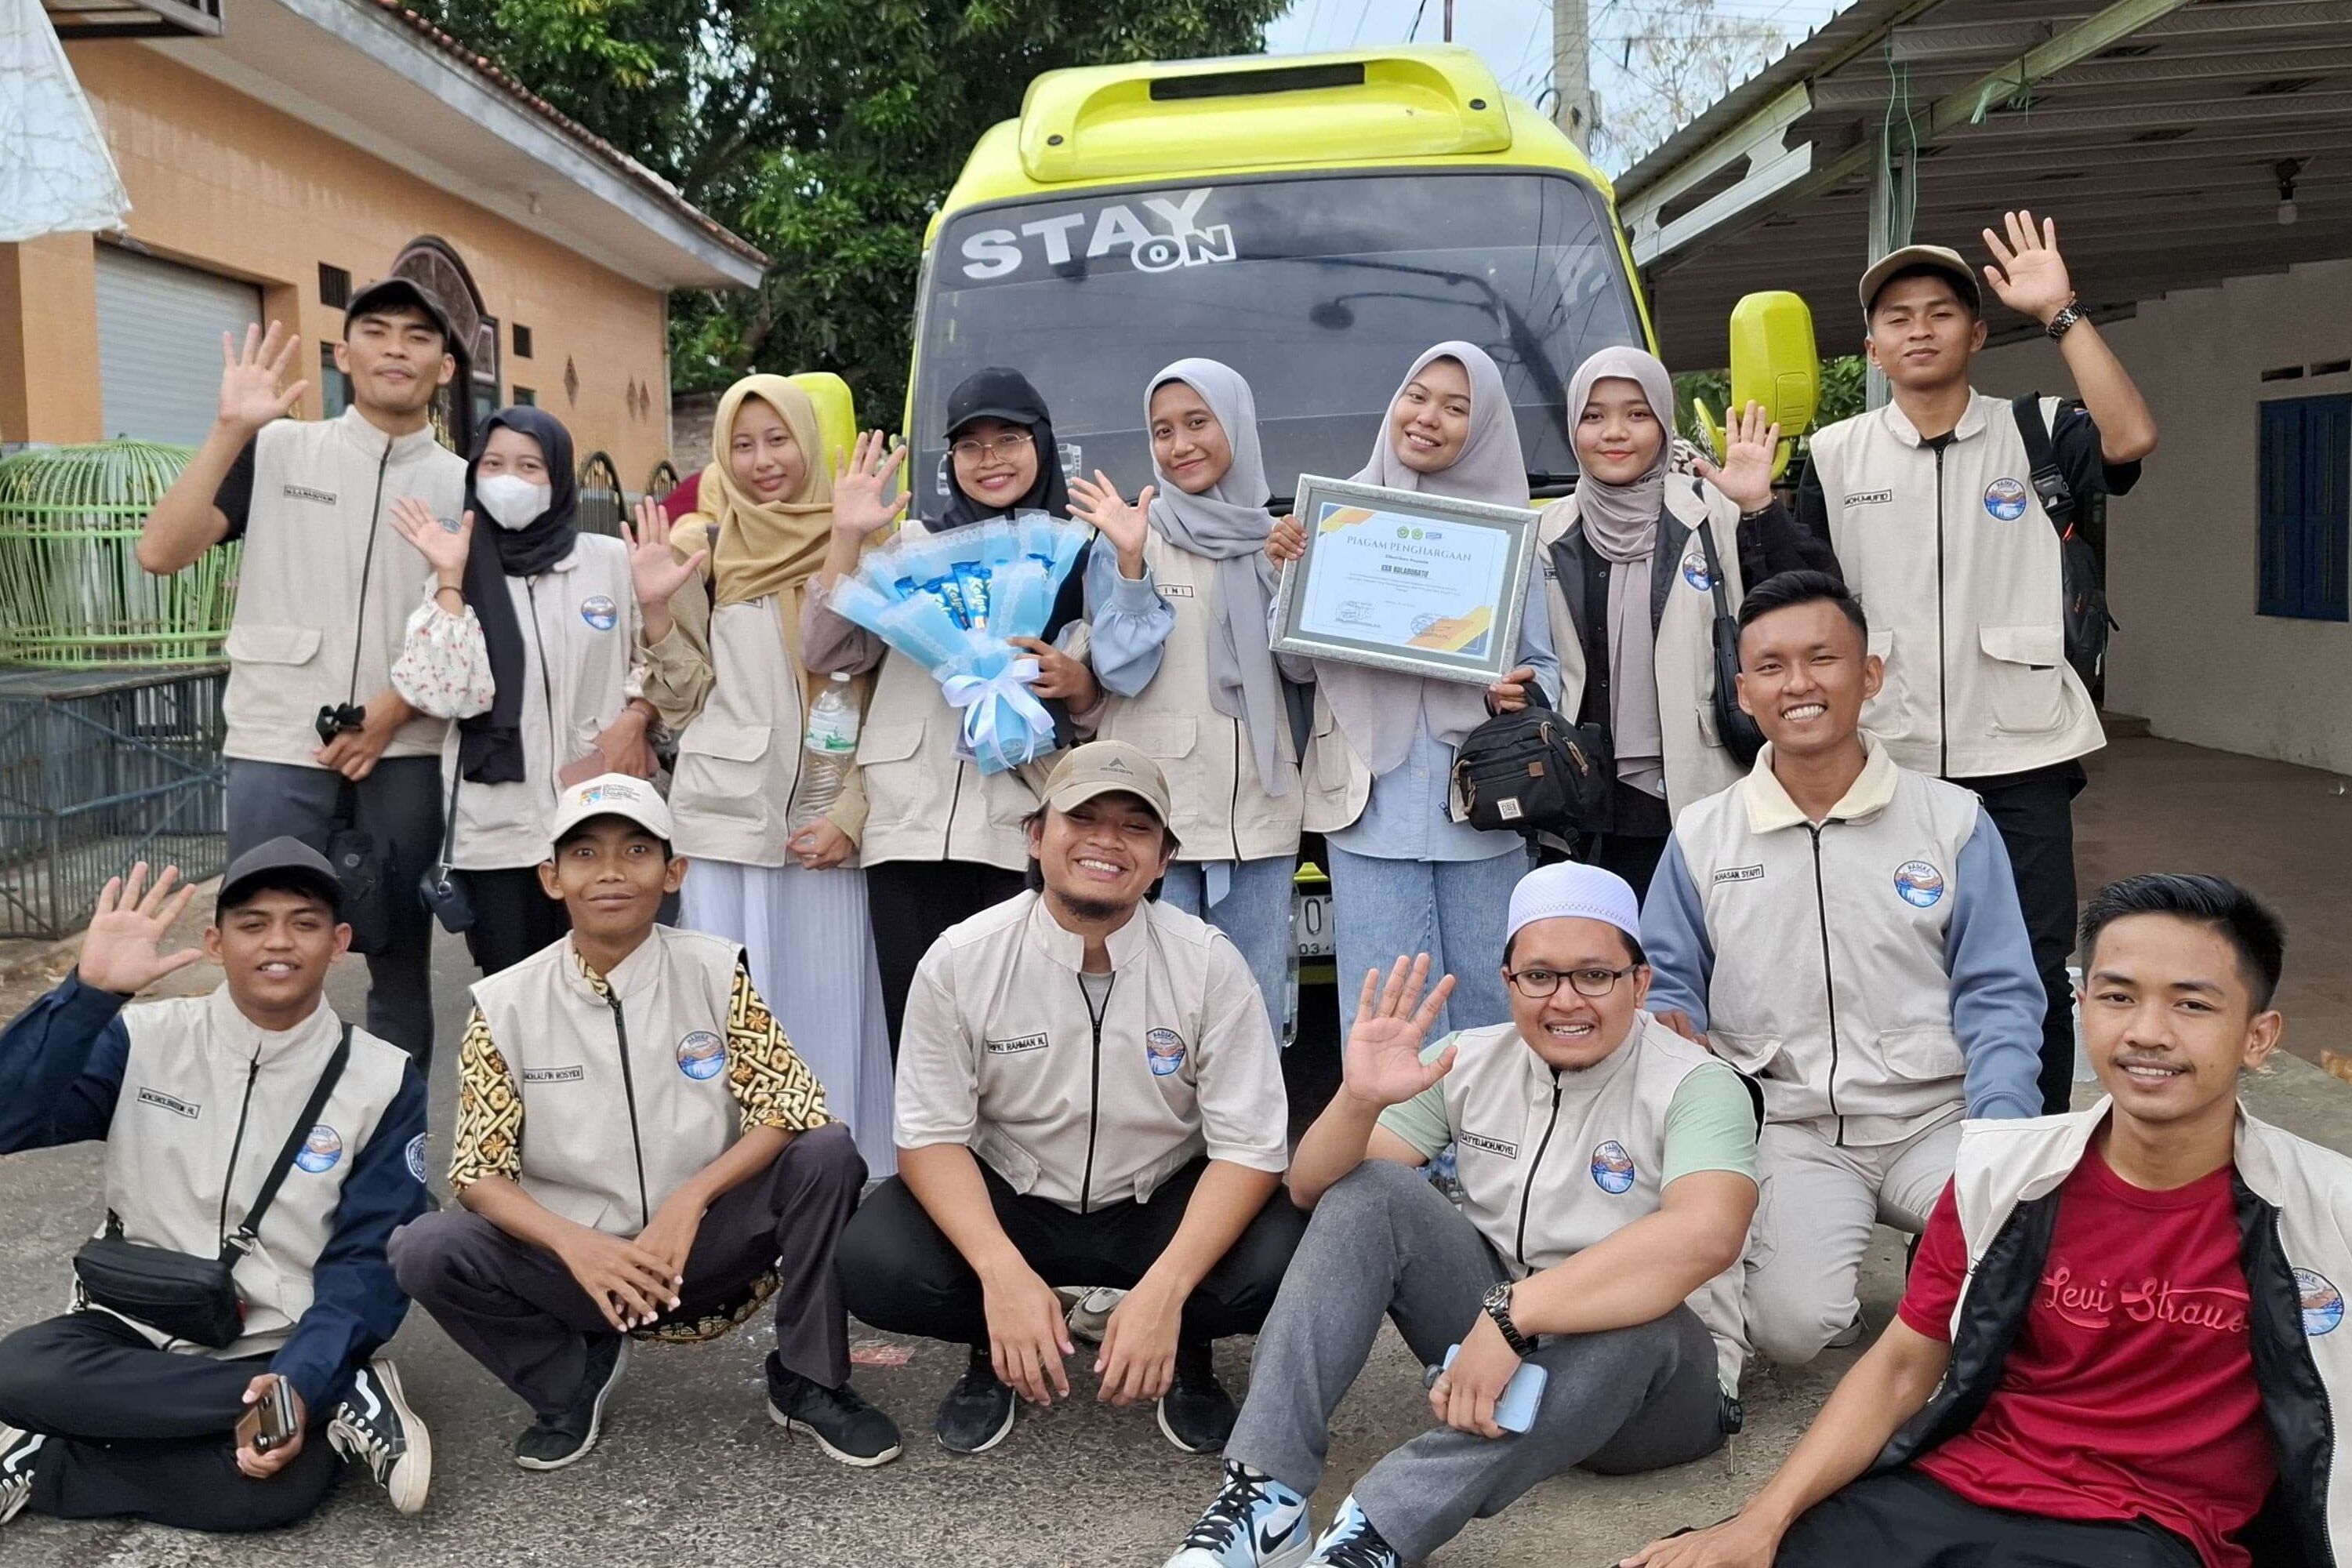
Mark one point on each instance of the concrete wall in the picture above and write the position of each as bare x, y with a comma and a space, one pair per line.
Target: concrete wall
2193, 658
222, 181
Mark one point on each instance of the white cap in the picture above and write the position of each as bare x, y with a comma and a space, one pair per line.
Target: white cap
1575, 891
612, 795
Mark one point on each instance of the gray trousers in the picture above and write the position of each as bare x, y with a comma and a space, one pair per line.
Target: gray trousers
1383, 1240
400, 803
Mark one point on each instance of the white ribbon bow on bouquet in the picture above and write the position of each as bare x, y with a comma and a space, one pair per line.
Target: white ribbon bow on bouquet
1004, 724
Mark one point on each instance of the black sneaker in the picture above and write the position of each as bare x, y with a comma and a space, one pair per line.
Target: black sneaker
375, 1427
19, 1451
977, 1411
1196, 1413
553, 1442
843, 1424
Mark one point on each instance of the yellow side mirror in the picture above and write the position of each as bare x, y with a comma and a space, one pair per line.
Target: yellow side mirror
836, 412
1774, 363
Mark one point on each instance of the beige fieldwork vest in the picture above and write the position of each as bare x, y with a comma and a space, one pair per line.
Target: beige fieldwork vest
1337, 781
1222, 809
1551, 1162
578, 623
1830, 985
321, 491
190, 1082
1957, 566
618, 1111
2003, 1164
924, 802
1000, 1053
1696, 765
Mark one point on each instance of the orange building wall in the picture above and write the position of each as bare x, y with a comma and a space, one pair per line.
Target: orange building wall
223, 181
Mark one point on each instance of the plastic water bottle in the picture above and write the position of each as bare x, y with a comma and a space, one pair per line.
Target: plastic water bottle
832, 747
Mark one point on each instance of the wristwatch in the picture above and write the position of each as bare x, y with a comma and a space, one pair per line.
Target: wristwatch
2064, 321
1497, 1305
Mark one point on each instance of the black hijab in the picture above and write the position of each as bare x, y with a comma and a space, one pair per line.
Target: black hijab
999, 394
489, 745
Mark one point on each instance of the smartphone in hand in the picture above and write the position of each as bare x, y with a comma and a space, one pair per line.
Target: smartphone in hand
268, 1422
1516, 1410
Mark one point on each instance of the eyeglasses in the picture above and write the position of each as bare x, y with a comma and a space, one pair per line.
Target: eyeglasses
1537, 984
972, 451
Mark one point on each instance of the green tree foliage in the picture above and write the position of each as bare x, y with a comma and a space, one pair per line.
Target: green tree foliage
825, 132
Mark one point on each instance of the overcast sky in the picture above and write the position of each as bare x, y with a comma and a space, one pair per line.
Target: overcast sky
1515, 35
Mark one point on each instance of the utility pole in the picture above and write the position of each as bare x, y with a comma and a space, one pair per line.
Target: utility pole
1449, 21
1571, 44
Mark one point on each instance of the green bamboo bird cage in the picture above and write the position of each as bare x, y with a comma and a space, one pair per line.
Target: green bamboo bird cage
72, 594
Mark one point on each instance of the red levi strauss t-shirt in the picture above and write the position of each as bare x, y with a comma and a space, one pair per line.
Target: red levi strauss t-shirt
2130, 1388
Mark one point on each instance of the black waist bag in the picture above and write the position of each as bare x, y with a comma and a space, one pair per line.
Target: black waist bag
362, 865
1534, 772
178, 1293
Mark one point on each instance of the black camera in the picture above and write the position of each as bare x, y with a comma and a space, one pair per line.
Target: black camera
341, 720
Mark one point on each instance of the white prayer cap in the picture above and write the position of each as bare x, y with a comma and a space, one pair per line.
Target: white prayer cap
1575, 891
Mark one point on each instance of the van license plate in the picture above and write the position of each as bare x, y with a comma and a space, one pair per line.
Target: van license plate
1310, 923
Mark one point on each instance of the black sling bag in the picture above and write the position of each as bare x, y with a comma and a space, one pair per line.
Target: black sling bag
2086, 617
178, 1293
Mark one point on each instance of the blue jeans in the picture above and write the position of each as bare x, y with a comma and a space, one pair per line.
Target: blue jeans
1254, 916
1455, 910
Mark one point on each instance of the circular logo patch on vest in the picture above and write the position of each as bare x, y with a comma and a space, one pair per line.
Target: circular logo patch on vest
1920, 883
1164, 1050
417, 1158
599, 612
2323, 1303
1695, 572
2005, 498
1612, 1168
701, 1054
320, 1150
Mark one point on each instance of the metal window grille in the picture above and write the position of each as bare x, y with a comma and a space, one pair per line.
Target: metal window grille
602, 502
100, 769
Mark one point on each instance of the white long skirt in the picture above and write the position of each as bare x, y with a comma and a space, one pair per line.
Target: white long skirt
812, 955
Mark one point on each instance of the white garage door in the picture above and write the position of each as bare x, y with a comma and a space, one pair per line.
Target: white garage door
159, 330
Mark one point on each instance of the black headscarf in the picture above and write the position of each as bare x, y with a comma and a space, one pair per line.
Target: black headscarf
999, 394
489, 745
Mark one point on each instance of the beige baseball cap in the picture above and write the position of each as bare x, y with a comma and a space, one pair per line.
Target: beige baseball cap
1942, 258
1109, 767
612, 795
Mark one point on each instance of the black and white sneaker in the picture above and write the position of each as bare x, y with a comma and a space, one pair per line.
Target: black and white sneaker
843, 1424
375, 1427
977, 1411
1196, 1413
553, 1442
19, 1452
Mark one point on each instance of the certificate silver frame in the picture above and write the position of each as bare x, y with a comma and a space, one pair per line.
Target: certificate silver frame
1315, 492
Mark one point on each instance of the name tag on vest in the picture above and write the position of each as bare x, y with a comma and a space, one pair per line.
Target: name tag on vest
1175, 590
172, 1103
1869, 497
304, 492
1491, 1145
1014, 1048
554, 1075
1740, 874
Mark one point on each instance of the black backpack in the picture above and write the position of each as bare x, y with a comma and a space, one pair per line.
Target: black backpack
2088, 620
1533, 772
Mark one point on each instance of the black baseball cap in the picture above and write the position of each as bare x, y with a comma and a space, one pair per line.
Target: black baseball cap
280, 860
387, 293
995, 393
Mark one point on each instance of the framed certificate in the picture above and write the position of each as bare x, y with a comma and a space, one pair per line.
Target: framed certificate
1418, 584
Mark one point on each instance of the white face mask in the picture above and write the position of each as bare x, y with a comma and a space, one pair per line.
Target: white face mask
515, 502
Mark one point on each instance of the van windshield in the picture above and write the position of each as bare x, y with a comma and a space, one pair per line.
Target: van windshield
1320, 290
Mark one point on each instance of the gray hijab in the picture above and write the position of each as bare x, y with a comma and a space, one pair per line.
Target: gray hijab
1621, 524
1380, 711
1228, 523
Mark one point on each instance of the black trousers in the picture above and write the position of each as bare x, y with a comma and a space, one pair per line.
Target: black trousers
513, 916
518, 1311
139, 1433
909, 903
2035, 814
902, 1275
400, 803
1906, 1519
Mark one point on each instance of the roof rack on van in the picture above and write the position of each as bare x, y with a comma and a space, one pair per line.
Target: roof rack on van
1132, 121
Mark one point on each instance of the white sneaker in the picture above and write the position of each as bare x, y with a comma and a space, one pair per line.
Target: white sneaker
19, 1450
375, 1427
1091, 1315
1254, 1521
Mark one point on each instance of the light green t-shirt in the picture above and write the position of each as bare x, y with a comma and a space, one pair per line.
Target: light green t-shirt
1710, 1122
